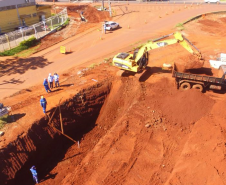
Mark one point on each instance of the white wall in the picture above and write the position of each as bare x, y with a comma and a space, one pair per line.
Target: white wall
13, 2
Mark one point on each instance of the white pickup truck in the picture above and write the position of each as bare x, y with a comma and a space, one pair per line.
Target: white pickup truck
4, 110
219, 62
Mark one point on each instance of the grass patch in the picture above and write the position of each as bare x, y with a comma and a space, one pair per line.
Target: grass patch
22, 46
106, 59
66, 22
92, 66
28, 52
4, 120
62, 26
59, 26
180, 26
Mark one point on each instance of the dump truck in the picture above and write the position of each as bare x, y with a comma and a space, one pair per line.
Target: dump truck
187, 81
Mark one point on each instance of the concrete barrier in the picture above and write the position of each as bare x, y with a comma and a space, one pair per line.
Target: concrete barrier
200, 15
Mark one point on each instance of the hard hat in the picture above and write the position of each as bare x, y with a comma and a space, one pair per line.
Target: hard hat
42, 97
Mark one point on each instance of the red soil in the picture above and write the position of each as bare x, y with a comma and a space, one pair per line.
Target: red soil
147, 131
188, 62
76, 26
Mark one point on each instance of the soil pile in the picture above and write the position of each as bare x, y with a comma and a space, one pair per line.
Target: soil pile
91, 14
186, 107
74, 11
188, 62
95, 16
148, 126
213, 26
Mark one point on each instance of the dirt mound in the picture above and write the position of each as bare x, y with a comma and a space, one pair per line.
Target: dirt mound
75, 10
179, 107
188, 62
213, 26
50, 40
208, 22
186, 107
95, 16
90, 13
223, 19
147, 124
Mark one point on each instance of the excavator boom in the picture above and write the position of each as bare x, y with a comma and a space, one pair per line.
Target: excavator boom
139, 59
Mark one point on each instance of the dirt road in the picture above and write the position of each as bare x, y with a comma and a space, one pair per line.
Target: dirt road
144, 22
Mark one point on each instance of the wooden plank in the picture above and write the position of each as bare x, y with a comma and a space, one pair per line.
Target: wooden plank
61, 122
62, 133
53, 113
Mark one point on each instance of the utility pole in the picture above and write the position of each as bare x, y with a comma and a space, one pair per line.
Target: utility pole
109, 5
102, 4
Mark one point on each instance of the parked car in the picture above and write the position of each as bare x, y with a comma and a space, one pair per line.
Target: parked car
110, 25
101, 9
25, 29
211, 1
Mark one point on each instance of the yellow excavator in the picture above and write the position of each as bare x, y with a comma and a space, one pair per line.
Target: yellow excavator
138, 61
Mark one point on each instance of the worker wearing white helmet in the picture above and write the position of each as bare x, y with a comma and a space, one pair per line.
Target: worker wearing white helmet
50, 80
56, 79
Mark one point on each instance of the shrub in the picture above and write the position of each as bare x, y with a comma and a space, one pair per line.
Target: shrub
3, 121
22, 46
92, 65
66, 22
29, 42
179, 25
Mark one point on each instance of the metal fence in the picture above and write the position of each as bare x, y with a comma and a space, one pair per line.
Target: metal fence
39, 30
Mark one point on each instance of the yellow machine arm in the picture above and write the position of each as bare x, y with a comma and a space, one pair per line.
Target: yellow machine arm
139, 59
179, 38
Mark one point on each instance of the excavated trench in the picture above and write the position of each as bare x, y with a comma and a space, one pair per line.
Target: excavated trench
43, 145
126, 127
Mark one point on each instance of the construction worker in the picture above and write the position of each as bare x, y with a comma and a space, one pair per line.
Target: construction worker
43, 103
34, 174
56, 79
46, 85
104, 28
50, 80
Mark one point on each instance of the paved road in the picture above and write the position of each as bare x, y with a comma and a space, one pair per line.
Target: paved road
89, 47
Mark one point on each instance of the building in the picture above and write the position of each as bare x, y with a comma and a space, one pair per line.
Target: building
16, 13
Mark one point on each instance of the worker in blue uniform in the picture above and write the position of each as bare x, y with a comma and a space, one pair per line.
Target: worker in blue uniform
43, 103
34, 174
46, 85
105, 27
